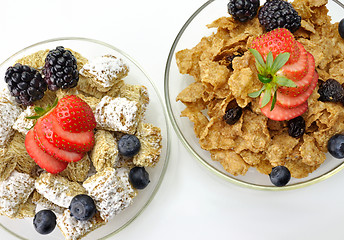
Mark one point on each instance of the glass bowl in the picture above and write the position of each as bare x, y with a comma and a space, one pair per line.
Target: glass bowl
189, 35
155, 114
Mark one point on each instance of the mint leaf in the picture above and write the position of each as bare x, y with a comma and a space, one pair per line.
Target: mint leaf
279, 62
285, 82
260, 64
257, 93
266, 97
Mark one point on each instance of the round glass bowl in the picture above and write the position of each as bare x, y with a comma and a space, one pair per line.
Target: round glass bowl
155, 114
188, 37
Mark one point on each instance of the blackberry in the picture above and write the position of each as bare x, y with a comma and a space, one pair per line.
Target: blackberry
232, 115
296, 127
25, 84
279, 14
331, 91
243, 10
60, 69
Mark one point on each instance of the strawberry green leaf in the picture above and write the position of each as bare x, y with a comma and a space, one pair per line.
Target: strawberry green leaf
264, 79
257, 93
266, 97
39, 110
279, 62
260, 64
285, 82
269, 61
33, 117
273, 100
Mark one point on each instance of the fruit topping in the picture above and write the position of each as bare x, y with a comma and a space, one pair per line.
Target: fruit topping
296, 127
280, 176
232, 115
335, 146
60, 69
129, 145
43, 159
279, 14
44, 221
25, 84
74, 115
82, 207
229, 59
341, 28
243, 10
331, 91
139, 177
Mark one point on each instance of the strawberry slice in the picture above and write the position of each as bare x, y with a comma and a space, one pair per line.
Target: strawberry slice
297, 70
281, 114
74, 142
44, 160
277, 41
74, 115
291, 101
304, 83
41, 129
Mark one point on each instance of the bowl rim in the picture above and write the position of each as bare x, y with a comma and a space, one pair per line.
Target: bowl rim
195, 154
168, 133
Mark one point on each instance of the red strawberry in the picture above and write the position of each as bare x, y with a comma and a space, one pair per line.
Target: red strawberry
304, 83
296, 71
43, 128
73, 142
74, 115
281, 114
43, 159
293, 101
277, 41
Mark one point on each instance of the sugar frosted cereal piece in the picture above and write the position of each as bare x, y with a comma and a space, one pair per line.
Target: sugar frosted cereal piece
111, 191
117, 114
252, 158
80, 60
39, 200
105, 151
213, 73
77, 171
61, 93
35, 60
73, 229
9, 113
231, 161
58, 189
22, 124
26, 209
138, 93
91, 101
103, 72
14, 191
310, 153
7, 164
16, 150
192, 93
298, 169
150, 139
198, 118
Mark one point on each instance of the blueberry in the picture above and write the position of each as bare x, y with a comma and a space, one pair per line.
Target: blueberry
139, 177
129, 145
341, 28
82, 207
44, 221
335, 146
279, 176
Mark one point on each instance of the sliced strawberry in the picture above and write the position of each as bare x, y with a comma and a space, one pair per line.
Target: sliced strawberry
74, 142
277, 41
40, 131
44, 160
297, 70
291, 101
304, 83
281, 114
74, 115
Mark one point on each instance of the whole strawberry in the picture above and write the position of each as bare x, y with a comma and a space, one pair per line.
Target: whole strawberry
74, 115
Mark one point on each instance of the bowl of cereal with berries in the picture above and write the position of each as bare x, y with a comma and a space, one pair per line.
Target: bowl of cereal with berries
254, 90
84, 141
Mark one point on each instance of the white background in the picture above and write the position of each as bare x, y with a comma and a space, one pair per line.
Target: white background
192, 203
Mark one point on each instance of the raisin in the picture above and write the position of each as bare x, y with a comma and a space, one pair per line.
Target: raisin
232, 115
331, 91
296, 127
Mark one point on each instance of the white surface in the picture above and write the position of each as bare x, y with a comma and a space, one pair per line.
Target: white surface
192, 203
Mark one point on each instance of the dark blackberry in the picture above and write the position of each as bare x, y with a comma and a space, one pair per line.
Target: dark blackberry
279, 14
25, 84
296, 127
232, 115
331, 91
60, 69
243, 10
